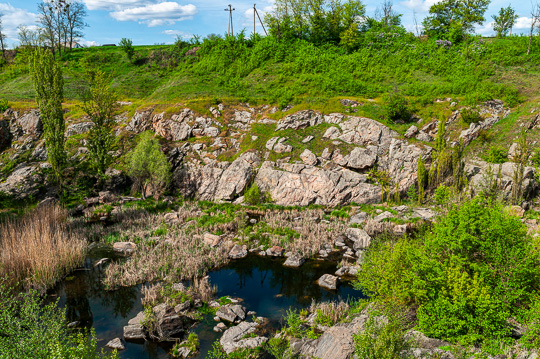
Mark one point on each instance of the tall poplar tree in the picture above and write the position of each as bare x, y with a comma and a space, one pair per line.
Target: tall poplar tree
49, 86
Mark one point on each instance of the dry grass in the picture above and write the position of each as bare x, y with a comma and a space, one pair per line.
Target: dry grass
314, 234
179, 255
330, 313
40, 248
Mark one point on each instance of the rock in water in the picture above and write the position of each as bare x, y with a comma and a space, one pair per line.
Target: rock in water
235, 338
294, 261
116, 343
238, 252
134, 330
328, 281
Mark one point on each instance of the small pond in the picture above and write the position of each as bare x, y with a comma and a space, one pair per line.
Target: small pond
264, 284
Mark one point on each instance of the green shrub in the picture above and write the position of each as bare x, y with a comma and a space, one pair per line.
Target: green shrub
469, 116
441, 195
4, 105
383, 336
29, 328
254, 196
148, 166
396, 107
476, 268
496, 155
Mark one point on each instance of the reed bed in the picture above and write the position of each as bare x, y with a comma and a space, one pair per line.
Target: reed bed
39, 248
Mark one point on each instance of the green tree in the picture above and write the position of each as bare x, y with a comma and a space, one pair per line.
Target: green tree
317, 21
148, 167
127, 47
100, 105
454, 20
49, 86
505, 21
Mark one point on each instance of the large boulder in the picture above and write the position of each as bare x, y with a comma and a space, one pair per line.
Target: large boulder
141, 121
176, 128
328, 281
237, 176
236, 338
30, 123
301, 185
231, 313
24, 182
300, 120
359, 237
78, 128
135, 330
363, 131
168, 324
361, 158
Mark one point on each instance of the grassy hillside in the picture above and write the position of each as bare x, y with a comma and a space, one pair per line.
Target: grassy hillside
264, 70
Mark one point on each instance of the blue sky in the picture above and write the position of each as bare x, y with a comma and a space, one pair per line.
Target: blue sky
160, 21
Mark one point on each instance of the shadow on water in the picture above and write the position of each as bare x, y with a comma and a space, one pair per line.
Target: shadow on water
264, 284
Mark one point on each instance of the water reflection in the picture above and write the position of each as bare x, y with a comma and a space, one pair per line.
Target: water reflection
264, 284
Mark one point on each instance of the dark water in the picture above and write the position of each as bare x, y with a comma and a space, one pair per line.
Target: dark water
265, 286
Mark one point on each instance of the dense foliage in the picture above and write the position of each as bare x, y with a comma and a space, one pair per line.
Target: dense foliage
476, 268
31, 329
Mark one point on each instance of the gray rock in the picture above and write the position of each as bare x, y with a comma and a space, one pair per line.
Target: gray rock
422, 136
242, 116
300, 120
358, 218
116, 343
78, 128
359, 237
383, 216
169, 325
235, 179
294, 261
308, 139
211, 239
231, 313
271, 142
332, 133
134, 330
328, 281
275, 251
23, 183
183, 352
309, 157
234, 338
124, 248
411, 132
176, 128
361, 158
238, 252
30, 123
140, 121
211, 132
182, 307
299, 185
326, 154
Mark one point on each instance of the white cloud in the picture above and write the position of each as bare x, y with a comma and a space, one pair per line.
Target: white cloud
183, 35
420, 6
13, 18
88, 43
157, 14
523, 23
115, 5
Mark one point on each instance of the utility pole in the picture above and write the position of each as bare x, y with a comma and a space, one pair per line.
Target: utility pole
255, 12
230, 30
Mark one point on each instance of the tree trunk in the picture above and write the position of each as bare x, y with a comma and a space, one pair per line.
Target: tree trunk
531, 36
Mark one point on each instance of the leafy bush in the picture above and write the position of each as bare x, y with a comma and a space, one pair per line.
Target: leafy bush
441, 195
383, 336
469, 116
31, 329
396, 107
473, 270
4, 105
496, 155
254, 196
148, 166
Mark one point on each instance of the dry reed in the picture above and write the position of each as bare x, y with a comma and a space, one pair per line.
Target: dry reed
331, 312
39, 248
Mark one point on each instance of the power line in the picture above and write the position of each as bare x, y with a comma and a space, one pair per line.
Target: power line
255, 12
230, 30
